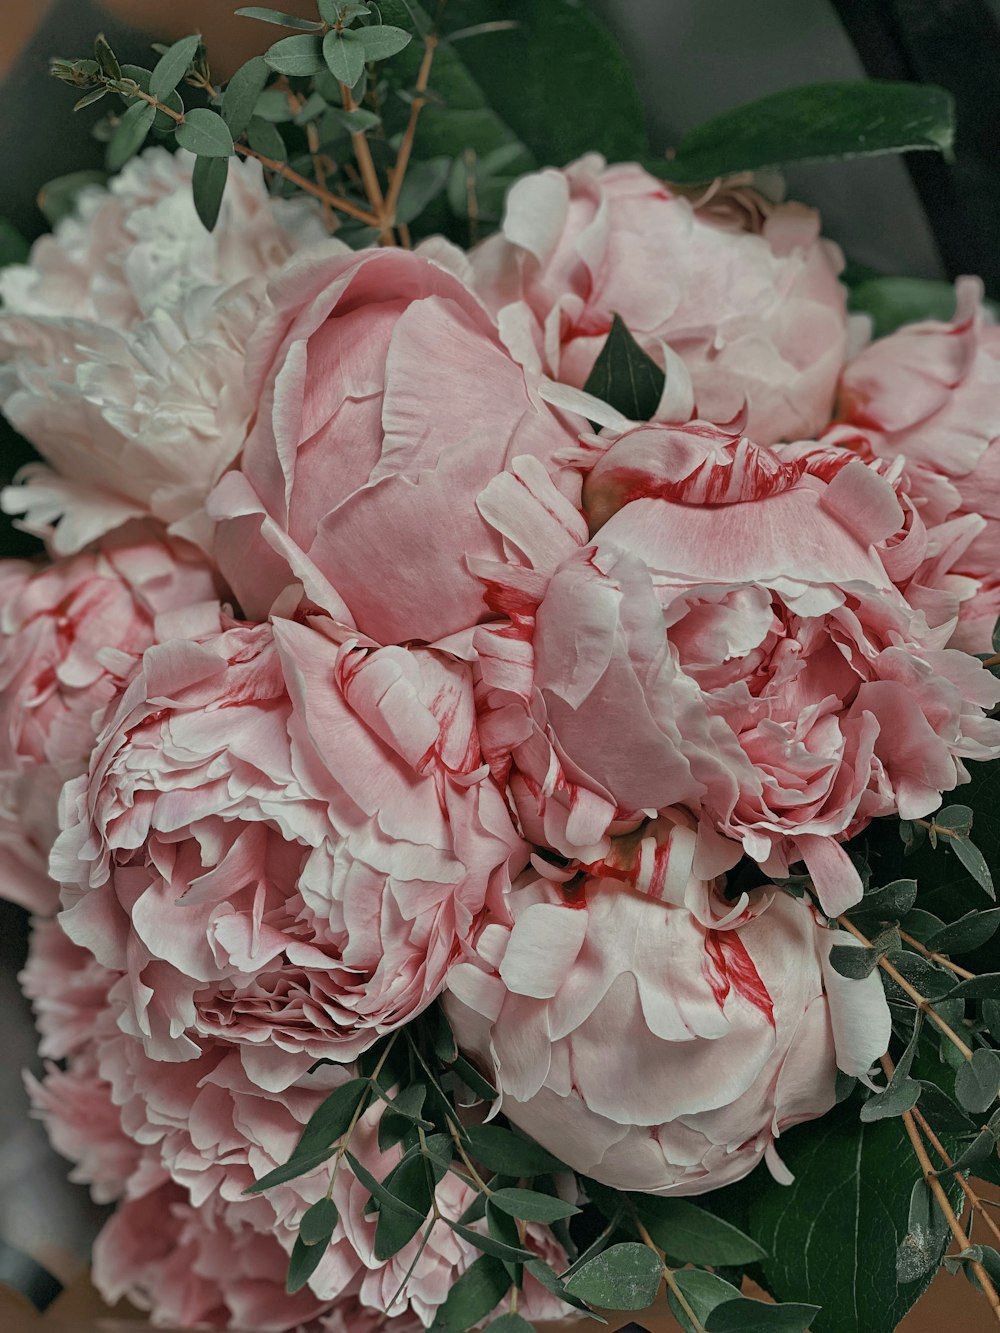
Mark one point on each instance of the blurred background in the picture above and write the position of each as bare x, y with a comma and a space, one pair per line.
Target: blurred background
918, 217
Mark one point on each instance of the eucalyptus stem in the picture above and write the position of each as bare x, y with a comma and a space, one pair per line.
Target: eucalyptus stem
668, 1277
363, 1105
938, 958
406, 146
369, 175
975, 1202
921, 1001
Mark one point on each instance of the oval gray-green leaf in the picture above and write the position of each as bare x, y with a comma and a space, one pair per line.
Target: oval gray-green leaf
296, 56
205, 132
977, 1082
208, 185
816, 123
383, 40
239, 101
172, 66
624, 1277
344, 53
477, 1292
130, 134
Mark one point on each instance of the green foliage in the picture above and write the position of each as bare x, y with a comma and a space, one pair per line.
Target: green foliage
920, 1250
479, 1290
624, 1277
173, 66
318, 1223
130, 135
304, 1261
689, 1234
892, 302
501, 1149
277, 17
720, 1308
242, 95
625, 376
296, 56
816, 123
977, 1081
14, 249
208, 186
530, 1206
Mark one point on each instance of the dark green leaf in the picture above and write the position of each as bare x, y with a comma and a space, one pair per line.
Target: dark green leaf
689, 1234
358, 121
445, 1045
477, 1292
409, 1103
499, 1149
955, 818
704, 1292
891, 902
920, 1250
275, 16
329, 1122
383, 40
511, 1323
273, 105
530, 1206
855, 962
991, 1017
826, 1234
490, 1245
410, 1189
984, 987
301, 55
969, 932
575, 91
208, 184
242, 94
625, 376
892, 302
816, 123
205, 132
624, 1277
319, 1223
975, 863
544, 1275
941, 1111
977, 1082
379, 1192
172, 66
424, 182
746, 1316
473, 1080
265, 138
106, 58
296, 1166
980, 1150
57, 198
303, 1263
88, 99
14, 249
344, 53
130, 134
895, 1101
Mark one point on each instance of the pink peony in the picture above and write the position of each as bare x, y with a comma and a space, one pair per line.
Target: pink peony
283, 842
734, 620
658, 1046
929, 395
386, 404
122, 345
756, 316
57, 625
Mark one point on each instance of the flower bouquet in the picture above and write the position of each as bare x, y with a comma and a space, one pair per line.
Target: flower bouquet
479, 750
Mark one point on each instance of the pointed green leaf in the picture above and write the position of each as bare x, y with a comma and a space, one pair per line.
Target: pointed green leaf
500, 1149
625, 376
242, 93
383, 40
490, 1245
329, 1122
477, 1292
816, 123
265, 138
88, 99
205, 132
531, 1206
304, 1261
208, 184
172, 66
920, 1250
276, 16
344, 53
130, 134
624, 1277
106, 58
969, 932
319, 1223
290, 1170
977, 1082
690, 1234
296, 56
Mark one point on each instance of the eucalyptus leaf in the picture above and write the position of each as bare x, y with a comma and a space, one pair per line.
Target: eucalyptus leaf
424, 181
892, 1102
500, 1149
344, 53
544, 1275
984, 987
624, 1277
319, 1222
290, 1170
383, 40
742, 1315
330, 1121
490, 1245
531, 1206
690, 1234
277, 17
205, 132
106, 58
975, 863
890, 902
819, 122
265, 138
88, 99
704, 1292
625, 376
208, 185
304, 1261
969, 932
977, 1082
296, 56
239, 101
379, 1192
130, 134
477, 1292
920, 1250
172, 66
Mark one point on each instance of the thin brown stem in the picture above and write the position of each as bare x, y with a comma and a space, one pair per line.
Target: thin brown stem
938, 958
943, 1202
668, 1277
975, 1202
992, 661
398, 174
469, 1166
921, 1001
369, 175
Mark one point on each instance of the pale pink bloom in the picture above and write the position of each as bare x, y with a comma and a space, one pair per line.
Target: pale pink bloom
282, 842
757, 316
653, 1046
122, 344
929, 395
385, 403
57, 625
732, 617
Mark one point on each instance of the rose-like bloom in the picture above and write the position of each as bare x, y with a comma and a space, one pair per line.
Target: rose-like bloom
929, 394
282, 842
386, 404
730, 641
658, 1046
756, 315
122, 345
57, 627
